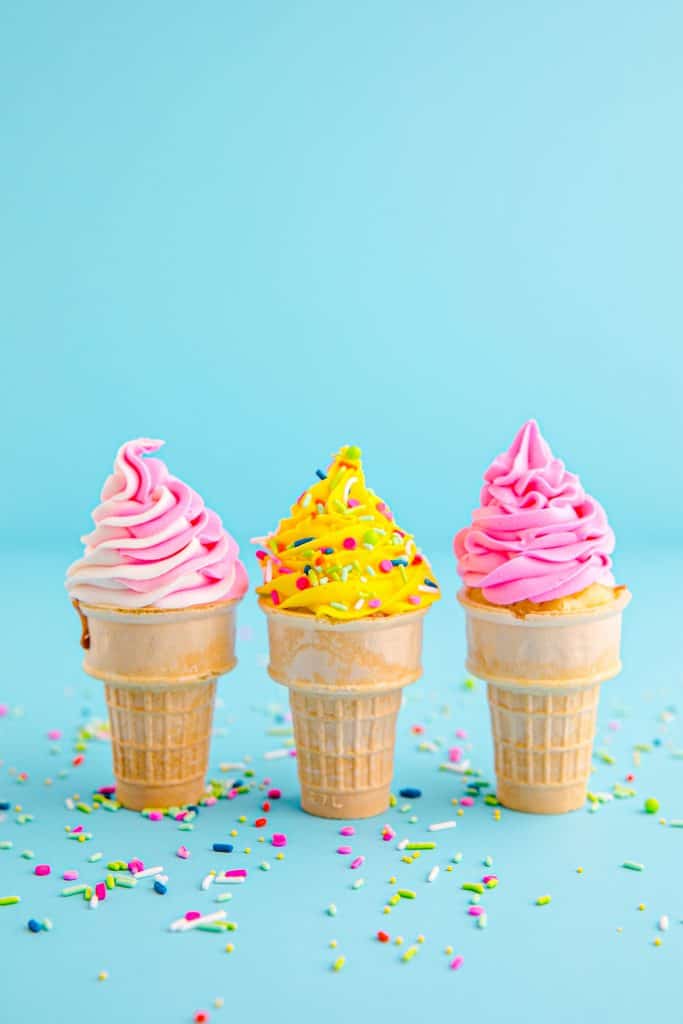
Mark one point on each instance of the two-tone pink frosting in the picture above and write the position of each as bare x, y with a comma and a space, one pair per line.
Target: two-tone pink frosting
155, 544
537, 535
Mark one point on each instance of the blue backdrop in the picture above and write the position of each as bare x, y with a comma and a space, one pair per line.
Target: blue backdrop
260, 231
263, 230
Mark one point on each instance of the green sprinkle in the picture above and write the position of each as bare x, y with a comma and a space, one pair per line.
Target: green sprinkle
210, 927
676, 824
393, 900
73, 890
651, 805
231, 926
457, 858
406, 894
420, 846
473, 887
543, 901
475, 899
223, 898
492, 883
28, 854
94, 857
332, 910
633, 865
482, 921
339, 963
8, 901
352, 452
491, 800
409, 953
6, 844
185, 826
85, 808
125, 882
339, 606
264, 865
109, 882
358, 884
644, 748
488, 861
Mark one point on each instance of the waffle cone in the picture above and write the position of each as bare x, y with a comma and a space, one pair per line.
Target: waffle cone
544, 672
345, 681
159, 669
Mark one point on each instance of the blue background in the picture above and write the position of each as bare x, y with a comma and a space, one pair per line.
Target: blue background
260, 231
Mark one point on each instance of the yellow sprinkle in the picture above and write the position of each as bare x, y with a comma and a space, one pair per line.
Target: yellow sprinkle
579, 871
102, 976
279, 856
218, 1002
460, 812
261, 839
448, 950
234, 832
420, 938
455, 801
657, 942
241, 819
387, 910
449, 867
416, 855
496, 815
399, 940
247, 849
333, 943
641, 906
339, 963
392, 880
662, 821
620, 930
229, 948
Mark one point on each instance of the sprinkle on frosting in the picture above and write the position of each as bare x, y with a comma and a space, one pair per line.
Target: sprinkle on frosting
155, 544
537, 535
340, 554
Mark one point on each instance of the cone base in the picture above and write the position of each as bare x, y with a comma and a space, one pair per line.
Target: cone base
345, 805
541, 799
138, 796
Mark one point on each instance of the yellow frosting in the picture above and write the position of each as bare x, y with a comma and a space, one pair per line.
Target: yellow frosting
340, 555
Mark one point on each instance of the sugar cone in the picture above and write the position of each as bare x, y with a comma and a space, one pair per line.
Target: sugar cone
345, 681
159, 668
544, 672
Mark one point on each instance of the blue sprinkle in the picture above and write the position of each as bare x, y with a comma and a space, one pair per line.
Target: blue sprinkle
304, 540
4, 805
34, 926
160, 887
399, 561
431, 583
237, 783
193, 807
223, 847
410, 793
319, 472
657, 742
328, 551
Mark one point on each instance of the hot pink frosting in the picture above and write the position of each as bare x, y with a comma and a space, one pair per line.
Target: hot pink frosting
537, 536
155, 544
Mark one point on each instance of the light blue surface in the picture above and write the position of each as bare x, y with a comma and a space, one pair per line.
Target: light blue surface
263, 230
564, 962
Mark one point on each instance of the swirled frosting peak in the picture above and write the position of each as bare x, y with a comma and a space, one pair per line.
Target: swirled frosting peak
340, 555
537, 535
155, 544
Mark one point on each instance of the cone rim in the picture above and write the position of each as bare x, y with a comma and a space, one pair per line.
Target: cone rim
503, 614
348, 625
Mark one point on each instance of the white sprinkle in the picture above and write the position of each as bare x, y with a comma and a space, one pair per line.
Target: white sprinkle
402, 844
69, 804
429, 747
161, 878
274, 755
93, 902
433, 874
459, 769
359, 604
149, 872
232, 766
183, 925
229, 880
440, 826
663, 923
207, 880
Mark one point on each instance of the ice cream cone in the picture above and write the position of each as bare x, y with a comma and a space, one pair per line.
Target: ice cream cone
345, 681
160, 669
543, 671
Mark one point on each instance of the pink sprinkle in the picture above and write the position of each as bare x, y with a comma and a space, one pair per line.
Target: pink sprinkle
210, 801
461, 734
135, 865
155, 816
232, 794
54, 734
77, 828
413, 599
303, 583
236, 873
101, 891
107, 790
353, 503
384, 509
261, 555
347, 830
385, 565
455, 754
357, 862
344, 850
70, 876
292, 753
181, 816
4, 710
374, 602
475, 911
274, 794
192, 915
275, 597
467, 801
42, 869
388, 833
279, 839
613, 726
487, 878
457, 962
349, 543
183, 853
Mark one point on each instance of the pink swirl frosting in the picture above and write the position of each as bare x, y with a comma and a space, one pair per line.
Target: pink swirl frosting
155, 544
537, 536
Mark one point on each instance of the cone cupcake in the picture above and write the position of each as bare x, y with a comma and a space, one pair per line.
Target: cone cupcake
345, 593
157, 590
543, 622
